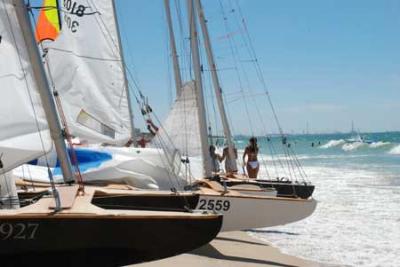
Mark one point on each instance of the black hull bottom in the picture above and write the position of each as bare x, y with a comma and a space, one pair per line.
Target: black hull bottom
146, 202
100, 241
284, 188
132, 202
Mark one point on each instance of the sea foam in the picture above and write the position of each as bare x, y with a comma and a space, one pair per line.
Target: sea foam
354, 224
395, 150
379, 144
352, 146
333, 143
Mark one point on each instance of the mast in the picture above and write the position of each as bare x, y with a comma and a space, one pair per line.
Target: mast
177, 73
46, 97
215, 80
199, 89
128, 94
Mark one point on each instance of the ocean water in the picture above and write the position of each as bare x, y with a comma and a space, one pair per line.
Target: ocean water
357, 220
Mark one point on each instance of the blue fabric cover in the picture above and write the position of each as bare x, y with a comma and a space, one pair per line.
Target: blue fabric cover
87, 159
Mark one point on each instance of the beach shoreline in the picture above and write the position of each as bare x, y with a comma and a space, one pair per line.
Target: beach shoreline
235, 249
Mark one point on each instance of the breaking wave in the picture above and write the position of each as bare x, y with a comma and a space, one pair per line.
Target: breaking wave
395, 150
356, 145
379, 144
352, 146
333, 143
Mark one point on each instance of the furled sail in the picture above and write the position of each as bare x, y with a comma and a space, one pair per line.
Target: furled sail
24, 133
181, 128
87, 71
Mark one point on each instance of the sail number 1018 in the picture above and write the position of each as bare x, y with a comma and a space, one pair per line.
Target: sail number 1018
212, 204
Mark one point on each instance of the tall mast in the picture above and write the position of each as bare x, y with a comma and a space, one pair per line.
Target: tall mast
215, 80
199, 89
175, 58
128, 93
46, 97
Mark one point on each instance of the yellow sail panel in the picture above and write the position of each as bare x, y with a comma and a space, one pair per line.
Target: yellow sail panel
48, 24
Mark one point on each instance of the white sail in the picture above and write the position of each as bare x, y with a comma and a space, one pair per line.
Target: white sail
87, 71
24, 135
181, 128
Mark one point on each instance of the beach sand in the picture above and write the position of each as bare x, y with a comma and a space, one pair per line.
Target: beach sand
234, 249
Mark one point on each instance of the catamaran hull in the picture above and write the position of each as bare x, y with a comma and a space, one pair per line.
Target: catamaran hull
158, 202
90, 241
245, 212
283, 188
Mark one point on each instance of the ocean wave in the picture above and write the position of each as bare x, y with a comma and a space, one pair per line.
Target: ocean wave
333, 143
353, 146
357, 145
343, 221
395, 150
379, 144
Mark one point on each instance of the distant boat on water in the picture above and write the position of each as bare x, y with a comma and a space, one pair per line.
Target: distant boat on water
356, 137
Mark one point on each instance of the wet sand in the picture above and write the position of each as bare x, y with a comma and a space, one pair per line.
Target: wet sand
234, 249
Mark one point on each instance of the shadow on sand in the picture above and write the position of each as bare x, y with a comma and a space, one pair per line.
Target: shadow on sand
211, 252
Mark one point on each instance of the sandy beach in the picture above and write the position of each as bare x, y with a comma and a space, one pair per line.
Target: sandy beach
234, 249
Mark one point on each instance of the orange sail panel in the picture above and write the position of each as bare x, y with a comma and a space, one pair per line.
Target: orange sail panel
48, 24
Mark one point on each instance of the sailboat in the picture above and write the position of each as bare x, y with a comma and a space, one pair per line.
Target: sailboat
85, 65
237, 208
241, 211
284, 187
356, 137
66, 228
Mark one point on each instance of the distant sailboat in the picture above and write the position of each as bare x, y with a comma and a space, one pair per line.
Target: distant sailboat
356, 137
66, 228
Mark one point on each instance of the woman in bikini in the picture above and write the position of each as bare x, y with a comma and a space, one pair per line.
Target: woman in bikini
252, 164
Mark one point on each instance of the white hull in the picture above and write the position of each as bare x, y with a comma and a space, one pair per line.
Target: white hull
245, 212
254, 190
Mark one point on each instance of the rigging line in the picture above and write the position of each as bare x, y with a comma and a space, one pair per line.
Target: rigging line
222, 11
28, 90
168, 64
113, 45
162, 144
213, 106
169, 164
271, 148
262, 80
264, 124
183, 45
100, 22
206, 100
259, 70
176, 177
186, 137
131, 76
68, 137
252, 97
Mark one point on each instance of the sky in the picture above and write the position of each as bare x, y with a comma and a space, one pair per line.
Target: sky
325, 63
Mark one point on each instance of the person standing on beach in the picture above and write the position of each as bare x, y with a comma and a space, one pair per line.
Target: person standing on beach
230, 163
215, 159
252, 164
